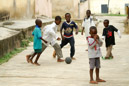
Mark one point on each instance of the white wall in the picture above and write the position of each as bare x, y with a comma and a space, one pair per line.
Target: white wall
43, 7
115, 6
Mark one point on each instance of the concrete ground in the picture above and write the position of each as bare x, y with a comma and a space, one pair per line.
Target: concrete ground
17, 72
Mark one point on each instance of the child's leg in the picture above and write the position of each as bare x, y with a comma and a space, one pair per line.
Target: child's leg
64, 42
36, 60
31, 59
72, 42
109, 48
28, 56
111, 51
97, 62
58, 52
91, 75
97, 74
92, 65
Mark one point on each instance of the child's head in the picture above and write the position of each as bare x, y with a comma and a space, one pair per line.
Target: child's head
38, 22
93, 31
88, 13
57, 20
68, 17
106, 22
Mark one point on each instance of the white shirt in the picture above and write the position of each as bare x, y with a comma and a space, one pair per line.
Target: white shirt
49, 34
94, 50
87, 23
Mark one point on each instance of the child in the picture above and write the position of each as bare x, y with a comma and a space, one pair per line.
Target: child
108, 35
68, 26
87, 23
49, 34
37, 41
94, 53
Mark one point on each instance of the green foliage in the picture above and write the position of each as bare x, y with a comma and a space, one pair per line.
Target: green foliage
6, 57
24, 44
113, 15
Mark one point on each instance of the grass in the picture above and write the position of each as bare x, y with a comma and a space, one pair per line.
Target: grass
9, 55
113, 15
14, 52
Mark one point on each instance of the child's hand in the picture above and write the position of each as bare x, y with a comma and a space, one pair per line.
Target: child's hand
58, 39
96, 37
45, 41
76, 32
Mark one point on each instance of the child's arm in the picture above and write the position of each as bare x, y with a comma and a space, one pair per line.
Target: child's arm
119, 34
43, 39
103, 34
91, 43
118, 31
61, 31
83, 27
82, 30
52, 32
76, 27
100, 42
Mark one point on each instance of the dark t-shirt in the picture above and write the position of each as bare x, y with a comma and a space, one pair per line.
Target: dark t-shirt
68, 28
108, 32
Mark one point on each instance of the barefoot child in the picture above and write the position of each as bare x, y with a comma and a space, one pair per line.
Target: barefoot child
87, 23
108, 35
94, 53
37, 41
68, 26
49, 34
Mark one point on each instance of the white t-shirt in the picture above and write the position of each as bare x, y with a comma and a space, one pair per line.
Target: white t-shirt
94, 50
87, 23
49, 34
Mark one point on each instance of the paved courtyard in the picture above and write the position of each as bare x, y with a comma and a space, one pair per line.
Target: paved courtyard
17, 72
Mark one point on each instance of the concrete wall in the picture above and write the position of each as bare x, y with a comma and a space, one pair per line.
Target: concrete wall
115, 6
60, 7
43, 7
83, 8
11, 38
18, 8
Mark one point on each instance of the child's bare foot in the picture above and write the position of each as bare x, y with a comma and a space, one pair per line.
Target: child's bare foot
93, 82
28, 58
37, 64
86, 50
106, 57
73, 58
31, 61
60, 60
54, 54
100, 80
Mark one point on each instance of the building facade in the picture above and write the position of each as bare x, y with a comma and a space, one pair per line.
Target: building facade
109, 6
20, 9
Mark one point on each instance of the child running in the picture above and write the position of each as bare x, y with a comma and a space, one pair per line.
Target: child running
49, 34
37, 42
108, 35
68, 26
94, 53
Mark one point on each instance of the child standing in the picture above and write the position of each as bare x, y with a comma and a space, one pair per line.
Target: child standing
87, 23
94, 53
108, 35
37, 41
